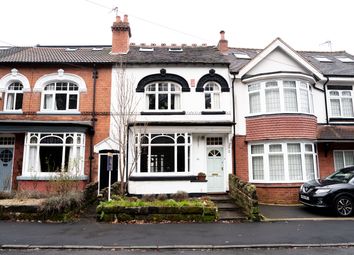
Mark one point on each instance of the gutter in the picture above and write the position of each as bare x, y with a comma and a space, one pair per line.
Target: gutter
233, 125
93, 119
325, 97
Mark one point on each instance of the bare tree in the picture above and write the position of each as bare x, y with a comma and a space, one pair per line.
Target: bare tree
124, 113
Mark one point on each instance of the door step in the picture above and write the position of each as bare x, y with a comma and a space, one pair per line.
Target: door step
228, 210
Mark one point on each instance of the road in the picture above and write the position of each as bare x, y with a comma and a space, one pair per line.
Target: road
297, 251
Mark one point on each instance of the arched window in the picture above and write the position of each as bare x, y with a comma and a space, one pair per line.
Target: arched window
54, 152
14, 97
212, 95
163, 96
60, 96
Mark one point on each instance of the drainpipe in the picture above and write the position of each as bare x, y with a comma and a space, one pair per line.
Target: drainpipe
325, 96
233, 125
93, 119
127, 158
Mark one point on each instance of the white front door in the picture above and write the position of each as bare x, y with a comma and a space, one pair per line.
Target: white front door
6, 160
215, 169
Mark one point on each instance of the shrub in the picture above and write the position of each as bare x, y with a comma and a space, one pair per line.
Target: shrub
6, 195
25, 194
180, 195
162, 197
148, 198
62, 203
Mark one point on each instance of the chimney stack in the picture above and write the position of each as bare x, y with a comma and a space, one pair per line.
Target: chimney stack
223, 46
120, 35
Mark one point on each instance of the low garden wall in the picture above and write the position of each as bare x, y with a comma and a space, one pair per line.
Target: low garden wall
245, 196
110, 212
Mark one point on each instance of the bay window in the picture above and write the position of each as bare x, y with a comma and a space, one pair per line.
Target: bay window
164, 153
48, 153
280, 96
282, 162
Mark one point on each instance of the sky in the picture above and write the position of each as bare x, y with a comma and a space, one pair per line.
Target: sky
302, 24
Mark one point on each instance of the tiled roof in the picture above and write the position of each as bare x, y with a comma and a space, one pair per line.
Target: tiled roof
73, 54
330, 132
335, 67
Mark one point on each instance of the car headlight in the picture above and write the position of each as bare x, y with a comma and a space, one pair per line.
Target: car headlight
322, 191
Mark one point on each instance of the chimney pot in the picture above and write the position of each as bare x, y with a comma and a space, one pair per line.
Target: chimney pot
125, 18
118, 19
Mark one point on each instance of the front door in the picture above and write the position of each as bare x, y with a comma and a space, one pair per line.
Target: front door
6, 162
215, 170
104, 174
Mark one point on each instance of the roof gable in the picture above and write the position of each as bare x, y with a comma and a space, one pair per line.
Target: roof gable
280, 55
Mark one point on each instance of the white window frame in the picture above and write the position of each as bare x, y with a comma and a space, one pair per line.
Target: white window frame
335, 159
177, 92
54, 92
15, 93
339, 97
260, 88
284, 152
187, 153
215, 95
78, 153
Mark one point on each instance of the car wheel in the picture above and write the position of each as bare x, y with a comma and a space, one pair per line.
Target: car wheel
344, 206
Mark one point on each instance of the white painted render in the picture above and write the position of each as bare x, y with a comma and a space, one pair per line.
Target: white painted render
166, 187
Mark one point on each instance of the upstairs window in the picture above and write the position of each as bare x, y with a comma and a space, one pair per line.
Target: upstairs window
212, 95
163, 96
280, 96
60, 96
341, 103
14, 97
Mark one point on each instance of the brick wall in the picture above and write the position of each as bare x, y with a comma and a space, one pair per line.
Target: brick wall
241, 154
278, 193
284, 126
32, 100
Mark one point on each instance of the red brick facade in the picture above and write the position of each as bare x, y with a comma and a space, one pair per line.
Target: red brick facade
272, 127
31, 108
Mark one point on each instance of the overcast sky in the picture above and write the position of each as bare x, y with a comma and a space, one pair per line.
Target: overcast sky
303, 24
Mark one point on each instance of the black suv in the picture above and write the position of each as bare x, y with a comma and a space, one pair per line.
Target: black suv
335, 191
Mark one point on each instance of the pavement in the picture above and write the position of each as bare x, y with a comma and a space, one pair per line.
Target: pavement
297, 212
284, 226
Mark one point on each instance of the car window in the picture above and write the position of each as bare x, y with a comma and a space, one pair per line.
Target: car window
341, 176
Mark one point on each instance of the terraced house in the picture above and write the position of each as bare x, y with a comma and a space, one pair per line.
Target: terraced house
275, 117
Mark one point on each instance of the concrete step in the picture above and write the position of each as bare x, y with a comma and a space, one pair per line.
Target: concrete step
235, 215
226, 206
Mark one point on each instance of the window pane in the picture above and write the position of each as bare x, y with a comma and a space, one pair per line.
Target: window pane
60, 101
347, 107
162, 159
50, 158
310, 168
216, 101
144, 160
10, 101
172, 101
255, 102
276, 168
294, 147
338, 160
180, 159
48, 102
257, 167
304, 100
72, 101
295, 167
254, 87
207, 101
290, 100
163, 87
275, 148
272, 100
335, 107
257, 149
348, 158
163, 101
18, 105
162, 140
151, 99
32, 158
